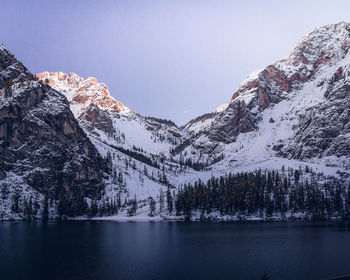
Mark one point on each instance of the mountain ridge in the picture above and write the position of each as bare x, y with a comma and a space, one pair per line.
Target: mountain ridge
293, 114
310, 64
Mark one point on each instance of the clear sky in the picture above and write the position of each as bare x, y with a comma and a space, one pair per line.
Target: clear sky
169, 59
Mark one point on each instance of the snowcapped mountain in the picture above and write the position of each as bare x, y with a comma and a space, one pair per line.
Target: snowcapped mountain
108, 119
138, 147
278, 114
294, 113
296, 108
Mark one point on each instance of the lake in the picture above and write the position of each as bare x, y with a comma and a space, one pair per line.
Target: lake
173, 250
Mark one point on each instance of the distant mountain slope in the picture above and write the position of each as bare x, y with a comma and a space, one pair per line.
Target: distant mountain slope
42, 146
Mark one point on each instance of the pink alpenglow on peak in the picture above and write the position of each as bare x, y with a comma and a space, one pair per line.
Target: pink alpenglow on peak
325, 45
81, 93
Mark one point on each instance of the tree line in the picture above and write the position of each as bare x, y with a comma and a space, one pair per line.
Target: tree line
288, 194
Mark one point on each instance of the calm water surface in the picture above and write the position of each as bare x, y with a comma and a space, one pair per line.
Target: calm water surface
166, 251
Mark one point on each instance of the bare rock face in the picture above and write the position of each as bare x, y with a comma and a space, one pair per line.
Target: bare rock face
236, 119
324, 130
81, 93
260, 87
324, 45
41, 141
90, 101
94, 117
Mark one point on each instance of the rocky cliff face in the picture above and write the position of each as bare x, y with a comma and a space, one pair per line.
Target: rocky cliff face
89, 100
41, 141
81, 93
322, 47
324, 130
313, 82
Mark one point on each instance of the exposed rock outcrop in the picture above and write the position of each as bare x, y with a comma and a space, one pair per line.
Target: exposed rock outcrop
41, 141
324, 130
81, 93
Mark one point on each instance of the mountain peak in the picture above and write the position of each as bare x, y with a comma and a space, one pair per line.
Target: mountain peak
324, 46
81, 93
11, 69
221, 108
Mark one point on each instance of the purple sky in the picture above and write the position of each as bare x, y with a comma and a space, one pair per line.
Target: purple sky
169, 59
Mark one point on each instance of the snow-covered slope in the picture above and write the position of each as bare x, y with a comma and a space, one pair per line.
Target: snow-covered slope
297, 108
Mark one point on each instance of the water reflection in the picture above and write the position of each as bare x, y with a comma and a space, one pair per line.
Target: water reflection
162, 250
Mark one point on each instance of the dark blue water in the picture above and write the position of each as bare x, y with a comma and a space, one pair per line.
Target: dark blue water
165, 251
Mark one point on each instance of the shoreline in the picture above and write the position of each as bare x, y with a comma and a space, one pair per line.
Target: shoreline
228, 219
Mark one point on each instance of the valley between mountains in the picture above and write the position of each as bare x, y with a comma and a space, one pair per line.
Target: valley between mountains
278, 150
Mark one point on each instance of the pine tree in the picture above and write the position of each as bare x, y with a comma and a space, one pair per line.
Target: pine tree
36, 205
45, 214
15, 200
126, 164
152, 207
169, 200
119, 202
93, 209
125, 202
28, 209
5, 191
133, 207
161, 201
120, 178
164, 178
296, 176
145, 171
141, 179
179, 203
109, 160
114, 177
